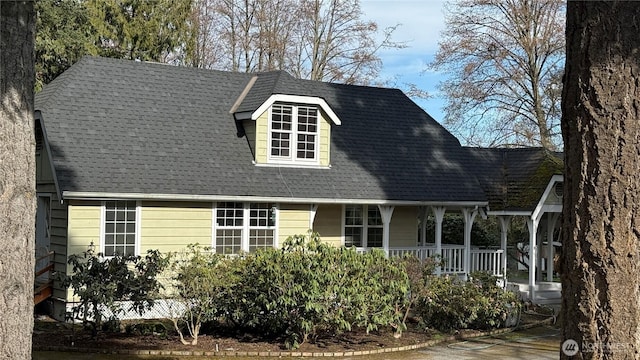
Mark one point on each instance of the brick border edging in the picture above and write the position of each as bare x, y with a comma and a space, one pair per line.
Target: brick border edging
261, 354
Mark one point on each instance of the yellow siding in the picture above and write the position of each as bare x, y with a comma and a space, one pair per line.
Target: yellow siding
325, 140
293, 220
172, 226
262, 135
84, 229
403, 230
328, 223
84, 226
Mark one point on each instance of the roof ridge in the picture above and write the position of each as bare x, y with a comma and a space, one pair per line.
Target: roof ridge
58, 84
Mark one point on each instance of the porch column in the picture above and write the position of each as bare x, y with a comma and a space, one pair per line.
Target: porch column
313, 209
423, 226
438, 214
504, 230
539, 252
469, 215
551, 225
386, 212
532, 225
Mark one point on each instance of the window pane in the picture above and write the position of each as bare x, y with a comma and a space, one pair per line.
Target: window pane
307, 131
130, 250
374, 237
260, 239
229, 214
120, 228
353, 215
373, 216
353, 237
228, 241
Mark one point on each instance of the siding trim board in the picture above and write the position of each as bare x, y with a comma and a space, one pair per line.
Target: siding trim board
86, 195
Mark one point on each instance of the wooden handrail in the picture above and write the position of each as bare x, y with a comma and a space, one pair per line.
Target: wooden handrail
45, 255
43, 291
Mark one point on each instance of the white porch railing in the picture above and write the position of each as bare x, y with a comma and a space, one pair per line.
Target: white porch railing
452, 259
488, 260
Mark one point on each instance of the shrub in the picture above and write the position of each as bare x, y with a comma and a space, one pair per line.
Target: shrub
418, 272
309, 288
103, 283
452, 304
201, 282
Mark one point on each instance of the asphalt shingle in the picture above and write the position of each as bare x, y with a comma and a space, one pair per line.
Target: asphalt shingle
121, 126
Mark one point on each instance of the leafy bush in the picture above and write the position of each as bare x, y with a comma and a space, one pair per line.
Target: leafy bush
103, 283
452, 304
309, 288
201, 282
418, 272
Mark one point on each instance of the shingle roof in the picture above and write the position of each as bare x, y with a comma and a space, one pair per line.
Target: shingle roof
514, 178
121, 126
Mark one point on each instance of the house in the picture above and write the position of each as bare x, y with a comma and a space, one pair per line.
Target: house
134, 156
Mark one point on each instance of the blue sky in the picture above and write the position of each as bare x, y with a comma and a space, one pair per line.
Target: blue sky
421, 22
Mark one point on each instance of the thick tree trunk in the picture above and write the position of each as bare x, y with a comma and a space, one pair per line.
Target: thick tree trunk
601, 130
17, 178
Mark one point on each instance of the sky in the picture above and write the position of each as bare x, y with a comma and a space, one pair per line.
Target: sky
421, 22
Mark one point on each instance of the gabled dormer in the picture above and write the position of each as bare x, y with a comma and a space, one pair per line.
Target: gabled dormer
285, 129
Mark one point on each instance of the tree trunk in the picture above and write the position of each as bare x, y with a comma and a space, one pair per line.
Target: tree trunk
601, 130
17, 177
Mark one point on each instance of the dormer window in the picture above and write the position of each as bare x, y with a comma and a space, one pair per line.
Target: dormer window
290, 130
293, 133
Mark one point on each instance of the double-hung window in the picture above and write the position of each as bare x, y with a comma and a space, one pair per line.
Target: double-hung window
120, 228
293, 133
244, 227
363, 227
230, 222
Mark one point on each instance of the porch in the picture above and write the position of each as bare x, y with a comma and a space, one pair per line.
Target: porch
456, 260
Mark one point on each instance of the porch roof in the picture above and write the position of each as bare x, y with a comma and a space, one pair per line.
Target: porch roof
514, 179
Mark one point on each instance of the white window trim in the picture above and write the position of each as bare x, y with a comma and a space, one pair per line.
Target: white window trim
293, 141
214, 226
365, 226
311, 100
246, 228
103, 212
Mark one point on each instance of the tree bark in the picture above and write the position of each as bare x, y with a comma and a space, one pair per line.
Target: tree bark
601, 130
17, 177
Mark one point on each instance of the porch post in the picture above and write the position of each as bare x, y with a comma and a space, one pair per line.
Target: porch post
551, 225
438, 214
386, 212
423, 227
469, 215
313, 209
504, 229
532, 225
539, 251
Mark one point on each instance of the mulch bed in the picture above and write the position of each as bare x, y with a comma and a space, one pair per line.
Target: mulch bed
50, 334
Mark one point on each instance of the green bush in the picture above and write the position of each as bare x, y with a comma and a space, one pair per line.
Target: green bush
309, 288
452, 304
103, 283
201, 282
